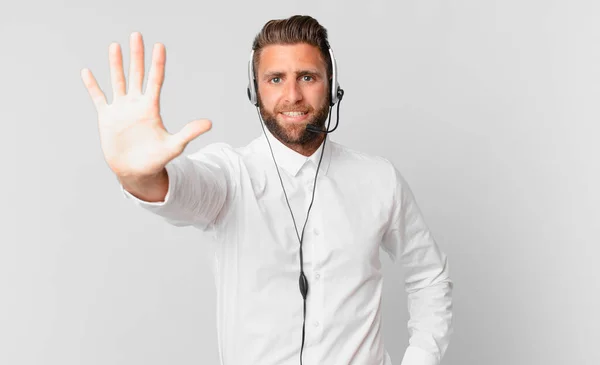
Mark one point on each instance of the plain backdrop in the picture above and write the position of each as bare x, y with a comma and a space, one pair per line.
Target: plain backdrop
490, 110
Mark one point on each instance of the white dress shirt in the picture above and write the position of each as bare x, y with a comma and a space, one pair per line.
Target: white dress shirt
361, 204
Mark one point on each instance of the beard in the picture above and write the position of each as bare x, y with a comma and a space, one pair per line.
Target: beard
295, 134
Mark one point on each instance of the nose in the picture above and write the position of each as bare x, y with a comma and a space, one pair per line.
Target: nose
292, 92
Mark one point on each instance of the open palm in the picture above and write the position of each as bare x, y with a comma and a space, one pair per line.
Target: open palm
133, 137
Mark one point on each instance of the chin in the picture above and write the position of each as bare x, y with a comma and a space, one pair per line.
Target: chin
295, 133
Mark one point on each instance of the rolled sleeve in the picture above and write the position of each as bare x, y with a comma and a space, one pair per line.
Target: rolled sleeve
417, 356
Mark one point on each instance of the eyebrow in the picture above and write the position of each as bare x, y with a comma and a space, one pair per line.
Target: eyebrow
270, 74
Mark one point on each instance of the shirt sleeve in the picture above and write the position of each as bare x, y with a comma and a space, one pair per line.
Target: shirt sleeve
199, 187
427, 280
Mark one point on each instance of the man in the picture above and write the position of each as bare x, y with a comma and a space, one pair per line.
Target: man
298, 220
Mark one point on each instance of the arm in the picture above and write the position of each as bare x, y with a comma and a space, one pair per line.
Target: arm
151, 188
141, 152
427, 280
196, 190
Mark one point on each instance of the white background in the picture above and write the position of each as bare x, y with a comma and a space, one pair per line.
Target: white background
490, 109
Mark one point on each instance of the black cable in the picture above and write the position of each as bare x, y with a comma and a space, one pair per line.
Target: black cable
303, 283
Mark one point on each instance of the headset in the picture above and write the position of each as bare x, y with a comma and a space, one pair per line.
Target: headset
336, 95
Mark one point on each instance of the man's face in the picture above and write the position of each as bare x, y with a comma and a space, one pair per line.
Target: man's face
293, 91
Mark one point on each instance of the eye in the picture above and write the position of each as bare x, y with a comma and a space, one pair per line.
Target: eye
275, 80
307, 78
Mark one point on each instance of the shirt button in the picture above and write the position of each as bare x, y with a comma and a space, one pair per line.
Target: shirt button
316, 232
317, 276
316, 323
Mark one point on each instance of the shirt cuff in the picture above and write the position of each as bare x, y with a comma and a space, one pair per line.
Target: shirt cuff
417, 356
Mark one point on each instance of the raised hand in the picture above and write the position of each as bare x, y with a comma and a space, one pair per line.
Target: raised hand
133, 138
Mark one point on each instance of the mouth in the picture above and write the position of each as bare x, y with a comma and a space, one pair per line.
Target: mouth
294, 116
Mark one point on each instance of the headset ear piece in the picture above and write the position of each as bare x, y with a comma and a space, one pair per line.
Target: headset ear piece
252, 89
334, 85
338, 96
250, 96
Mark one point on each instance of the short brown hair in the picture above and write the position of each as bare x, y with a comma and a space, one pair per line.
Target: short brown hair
293, 30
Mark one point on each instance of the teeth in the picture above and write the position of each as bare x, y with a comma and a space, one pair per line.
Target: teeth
293, 114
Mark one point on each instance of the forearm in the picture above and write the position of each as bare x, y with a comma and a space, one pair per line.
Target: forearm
430, 323
195, 195
150, 189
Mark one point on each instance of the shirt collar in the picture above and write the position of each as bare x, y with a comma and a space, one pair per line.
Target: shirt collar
292, 161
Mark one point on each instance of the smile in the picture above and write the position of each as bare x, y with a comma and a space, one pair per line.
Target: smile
294, 117
293, 114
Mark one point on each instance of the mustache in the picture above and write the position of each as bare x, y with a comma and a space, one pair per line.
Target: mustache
295, 108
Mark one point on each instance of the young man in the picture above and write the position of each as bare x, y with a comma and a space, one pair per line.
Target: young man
298, 220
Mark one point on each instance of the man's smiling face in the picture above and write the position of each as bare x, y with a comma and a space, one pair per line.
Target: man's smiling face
293, 91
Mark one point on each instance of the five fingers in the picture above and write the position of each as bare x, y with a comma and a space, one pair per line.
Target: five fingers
156, 77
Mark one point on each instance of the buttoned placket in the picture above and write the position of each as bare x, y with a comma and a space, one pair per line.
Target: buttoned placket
313, 237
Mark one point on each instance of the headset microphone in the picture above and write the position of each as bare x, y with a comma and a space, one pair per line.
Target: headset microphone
312, 128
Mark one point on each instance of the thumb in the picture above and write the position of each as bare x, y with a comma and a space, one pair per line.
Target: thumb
190, 131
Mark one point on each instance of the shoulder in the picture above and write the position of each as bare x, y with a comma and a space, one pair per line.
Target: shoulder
379, 171
362, 162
